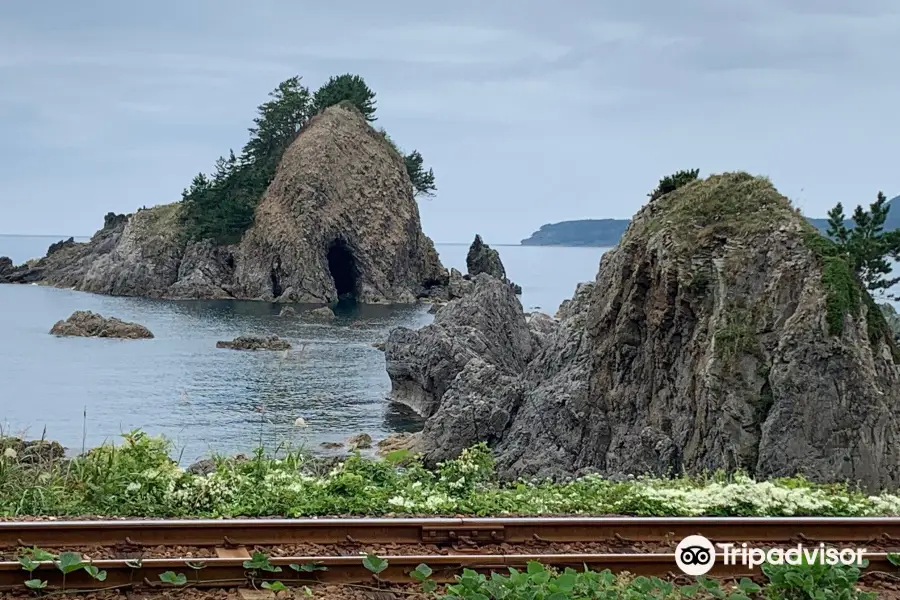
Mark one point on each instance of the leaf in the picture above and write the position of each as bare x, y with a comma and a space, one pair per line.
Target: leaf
689, 590
309, 567
275, 586
28, 564
173, 578
41, 555
70, 561
747, 586
429, 586
35, 584
95, 573
397, 456
894, 558
421, 573
374, 564
535, 567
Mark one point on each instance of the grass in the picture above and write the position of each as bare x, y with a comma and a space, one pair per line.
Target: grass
138, 479
722, 206
738, 337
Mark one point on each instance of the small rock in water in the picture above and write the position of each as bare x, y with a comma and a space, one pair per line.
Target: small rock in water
323, 313
84, 323
360, 441
396, 441
288, 311
331, 445
300, 422
379, 346
255, 342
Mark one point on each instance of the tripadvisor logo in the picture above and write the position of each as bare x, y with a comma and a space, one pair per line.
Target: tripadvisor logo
696, 555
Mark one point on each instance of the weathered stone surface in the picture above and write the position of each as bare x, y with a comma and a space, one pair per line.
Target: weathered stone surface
702, 345
323, 313
397, 441
360, 441
56, 246
84, 323
6, 267
890, 315
422, 363
288, 311
458, 285
481, 258
255, 342
346, 189
31, 452
338, 219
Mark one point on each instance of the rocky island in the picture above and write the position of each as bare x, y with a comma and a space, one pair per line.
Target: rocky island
338, 219
723, 332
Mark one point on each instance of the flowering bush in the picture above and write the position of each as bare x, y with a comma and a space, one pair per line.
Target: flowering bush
137, 478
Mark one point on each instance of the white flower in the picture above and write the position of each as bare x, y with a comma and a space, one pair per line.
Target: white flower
133, 487
10, 453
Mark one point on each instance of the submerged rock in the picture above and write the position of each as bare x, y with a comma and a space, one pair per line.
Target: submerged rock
360, 441
84, 323
255, 342
707, 342
323, 313
397, 441
331, 445
288, 311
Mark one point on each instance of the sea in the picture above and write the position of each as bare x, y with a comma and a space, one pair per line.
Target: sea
84, 392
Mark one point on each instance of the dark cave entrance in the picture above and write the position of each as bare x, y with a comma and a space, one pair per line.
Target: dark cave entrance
343, 269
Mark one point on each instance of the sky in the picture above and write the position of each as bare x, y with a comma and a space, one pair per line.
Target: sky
529, 111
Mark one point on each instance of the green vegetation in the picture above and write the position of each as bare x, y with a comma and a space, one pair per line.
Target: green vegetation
719, 207
855, 262
738, 337
670, 183
220, 206
138, 479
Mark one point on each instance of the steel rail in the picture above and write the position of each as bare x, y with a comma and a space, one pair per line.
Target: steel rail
250, 532
230, 572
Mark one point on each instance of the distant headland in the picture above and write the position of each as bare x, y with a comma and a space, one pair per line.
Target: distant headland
607, 232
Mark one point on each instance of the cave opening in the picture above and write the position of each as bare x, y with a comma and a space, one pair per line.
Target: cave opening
343, 269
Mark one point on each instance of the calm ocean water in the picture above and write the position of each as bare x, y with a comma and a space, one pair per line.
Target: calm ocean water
203, 398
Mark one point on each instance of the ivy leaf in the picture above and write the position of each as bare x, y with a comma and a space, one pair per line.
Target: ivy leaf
70, 561
374, 564
35, 584
173, 578
275, 586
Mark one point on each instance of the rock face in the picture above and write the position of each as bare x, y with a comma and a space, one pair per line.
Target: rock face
890, 315
423, 363
481, 258
343, 186
339, 219
708, 340
255, 342
84, 323
323, 313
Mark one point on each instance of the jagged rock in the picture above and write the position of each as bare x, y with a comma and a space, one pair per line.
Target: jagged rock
346, 189
6, 267
288, 311
379, 346
206, 271
323, 313
202, 467
84, 323
423, 363
481, 258
60, 245
31, 452
704, 343
359, 441
435, 307
892, 318
397, 441
255, 342
458, 285
541, 326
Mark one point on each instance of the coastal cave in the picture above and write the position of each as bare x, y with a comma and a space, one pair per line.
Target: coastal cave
343, 269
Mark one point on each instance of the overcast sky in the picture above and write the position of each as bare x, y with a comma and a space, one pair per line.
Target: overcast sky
529, 111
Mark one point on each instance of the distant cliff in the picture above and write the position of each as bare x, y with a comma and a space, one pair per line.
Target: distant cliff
606, 233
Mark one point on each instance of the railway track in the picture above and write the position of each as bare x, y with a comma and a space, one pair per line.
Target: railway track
231, 543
